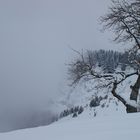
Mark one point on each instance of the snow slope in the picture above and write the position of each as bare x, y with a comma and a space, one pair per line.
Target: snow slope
86, 91
125, 127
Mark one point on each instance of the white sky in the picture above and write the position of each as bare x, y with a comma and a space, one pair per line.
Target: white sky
34, 40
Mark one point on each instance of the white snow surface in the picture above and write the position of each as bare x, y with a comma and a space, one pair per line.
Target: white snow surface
124, 127
84, 92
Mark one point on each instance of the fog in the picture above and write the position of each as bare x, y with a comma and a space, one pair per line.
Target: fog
35, 36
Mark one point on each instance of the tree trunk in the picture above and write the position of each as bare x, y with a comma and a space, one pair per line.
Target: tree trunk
129, 108
135, 90
134, 95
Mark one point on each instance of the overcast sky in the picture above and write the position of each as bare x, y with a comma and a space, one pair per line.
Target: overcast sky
35, 36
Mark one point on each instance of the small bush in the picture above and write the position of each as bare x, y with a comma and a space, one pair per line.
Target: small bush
94, 102
74, 115
81, 109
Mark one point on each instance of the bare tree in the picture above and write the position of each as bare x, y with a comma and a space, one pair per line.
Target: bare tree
123, 18
82, 69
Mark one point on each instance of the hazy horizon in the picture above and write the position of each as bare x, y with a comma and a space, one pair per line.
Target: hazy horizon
34, 48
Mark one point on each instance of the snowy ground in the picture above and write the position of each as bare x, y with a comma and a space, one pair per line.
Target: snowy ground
82, 128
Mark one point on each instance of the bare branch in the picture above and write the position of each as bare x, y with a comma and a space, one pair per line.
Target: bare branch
124, 19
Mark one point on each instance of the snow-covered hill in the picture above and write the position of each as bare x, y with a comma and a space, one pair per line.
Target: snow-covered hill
103, 116
97, 101
97, 104
124, 127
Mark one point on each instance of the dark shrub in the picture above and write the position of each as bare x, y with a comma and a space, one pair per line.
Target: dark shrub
94, 102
